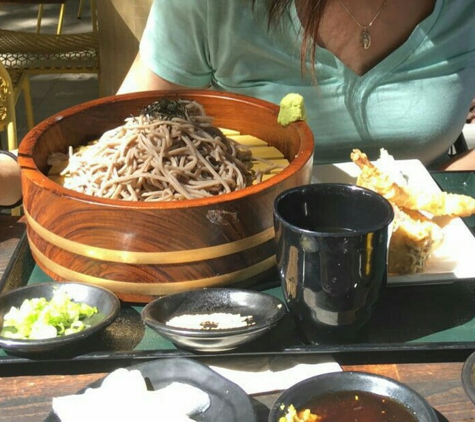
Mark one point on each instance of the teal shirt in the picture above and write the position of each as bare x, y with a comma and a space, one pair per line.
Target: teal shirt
414, 103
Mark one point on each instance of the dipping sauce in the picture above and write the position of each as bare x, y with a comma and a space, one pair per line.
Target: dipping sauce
354, 406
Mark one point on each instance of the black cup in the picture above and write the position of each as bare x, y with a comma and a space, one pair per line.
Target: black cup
332, 247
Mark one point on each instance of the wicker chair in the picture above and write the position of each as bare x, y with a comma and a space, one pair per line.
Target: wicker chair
11, 85
49, 53
92, 5
62, 8
40, 3
30, 53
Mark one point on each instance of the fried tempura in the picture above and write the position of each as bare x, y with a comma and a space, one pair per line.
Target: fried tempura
413, 240
437, 204
415, 236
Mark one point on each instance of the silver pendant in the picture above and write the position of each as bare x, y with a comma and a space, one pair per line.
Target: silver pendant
365, 39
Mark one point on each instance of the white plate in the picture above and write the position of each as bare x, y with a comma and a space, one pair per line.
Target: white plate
469, 134
453, 260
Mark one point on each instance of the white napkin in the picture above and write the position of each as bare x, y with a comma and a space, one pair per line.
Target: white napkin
265, 374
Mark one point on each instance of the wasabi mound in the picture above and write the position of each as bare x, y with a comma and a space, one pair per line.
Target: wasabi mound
292, 109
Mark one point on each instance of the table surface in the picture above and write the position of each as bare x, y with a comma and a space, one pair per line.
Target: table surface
28, 398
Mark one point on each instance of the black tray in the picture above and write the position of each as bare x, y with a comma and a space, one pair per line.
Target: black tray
430, 322
407, 319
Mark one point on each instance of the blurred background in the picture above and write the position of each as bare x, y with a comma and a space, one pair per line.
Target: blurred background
120, 25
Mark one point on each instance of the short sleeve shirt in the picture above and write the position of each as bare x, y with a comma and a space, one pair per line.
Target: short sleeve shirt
413, 103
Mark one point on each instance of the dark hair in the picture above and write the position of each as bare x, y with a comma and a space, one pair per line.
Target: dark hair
310, 13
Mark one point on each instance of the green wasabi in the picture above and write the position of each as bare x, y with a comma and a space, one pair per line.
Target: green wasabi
39, 318
292, 109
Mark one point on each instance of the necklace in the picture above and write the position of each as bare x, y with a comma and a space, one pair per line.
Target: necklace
365, 37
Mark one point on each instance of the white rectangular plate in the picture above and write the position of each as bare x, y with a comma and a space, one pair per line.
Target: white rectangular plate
453, 260
469, 134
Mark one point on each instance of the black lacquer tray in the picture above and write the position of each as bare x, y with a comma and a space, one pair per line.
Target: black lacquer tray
410, 323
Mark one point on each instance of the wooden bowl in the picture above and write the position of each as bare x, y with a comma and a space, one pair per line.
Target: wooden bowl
143, 250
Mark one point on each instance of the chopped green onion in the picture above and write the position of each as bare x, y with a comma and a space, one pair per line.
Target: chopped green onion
39, 318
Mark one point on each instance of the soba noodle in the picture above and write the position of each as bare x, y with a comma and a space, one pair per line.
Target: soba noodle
156, 157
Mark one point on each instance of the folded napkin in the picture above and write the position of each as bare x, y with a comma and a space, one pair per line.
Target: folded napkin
265, 374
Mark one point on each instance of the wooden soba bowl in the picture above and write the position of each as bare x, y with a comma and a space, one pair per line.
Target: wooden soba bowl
142, 250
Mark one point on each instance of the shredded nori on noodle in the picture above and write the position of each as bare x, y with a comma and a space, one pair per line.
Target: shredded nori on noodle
166, 108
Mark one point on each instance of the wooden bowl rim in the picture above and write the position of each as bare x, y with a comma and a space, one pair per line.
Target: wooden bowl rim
31, 171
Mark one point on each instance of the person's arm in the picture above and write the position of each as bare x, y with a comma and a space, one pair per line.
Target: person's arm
463, 161
141, 78
10, 183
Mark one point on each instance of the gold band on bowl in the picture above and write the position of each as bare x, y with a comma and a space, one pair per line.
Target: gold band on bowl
152, 289
142, 258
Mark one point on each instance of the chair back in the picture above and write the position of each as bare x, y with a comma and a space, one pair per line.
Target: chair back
7, 107
7, 102
50, 53
61, 11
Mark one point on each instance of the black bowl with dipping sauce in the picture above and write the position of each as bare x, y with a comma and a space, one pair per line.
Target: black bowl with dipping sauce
332, 249
468, 377
245, 315
342, 396
107, 303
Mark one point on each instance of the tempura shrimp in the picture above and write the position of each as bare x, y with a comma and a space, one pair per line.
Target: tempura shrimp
437, 204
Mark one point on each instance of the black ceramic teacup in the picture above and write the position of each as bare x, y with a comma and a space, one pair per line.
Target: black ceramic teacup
332, 247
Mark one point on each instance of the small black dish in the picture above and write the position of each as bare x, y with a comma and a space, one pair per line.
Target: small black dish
468, 377
302, 394
266, 310
228, 400
106, 302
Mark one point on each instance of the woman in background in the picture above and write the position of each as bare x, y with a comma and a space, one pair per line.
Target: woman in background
374, 74
391, 74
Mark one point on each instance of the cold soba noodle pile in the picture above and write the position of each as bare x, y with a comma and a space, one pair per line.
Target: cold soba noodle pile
169, 152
